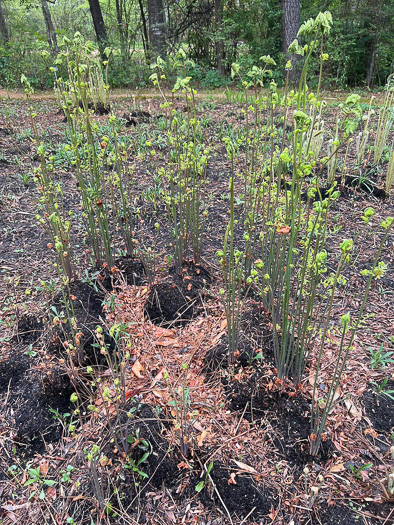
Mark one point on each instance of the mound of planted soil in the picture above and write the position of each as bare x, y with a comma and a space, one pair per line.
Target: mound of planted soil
379, 408
351, 184
132, 272
242, 498
29, 329
174, 302
99, 108
27, 396
160, 466
87, 312
337, 515
289, 416
136, 117
255, 345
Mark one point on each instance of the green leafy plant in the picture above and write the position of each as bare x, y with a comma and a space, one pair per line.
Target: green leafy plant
202, 483
356, 471
386, 120
390, 171
141, 445
232, 264
322, 407
379, 358
185, 194
382, 390
363, 136
36, 479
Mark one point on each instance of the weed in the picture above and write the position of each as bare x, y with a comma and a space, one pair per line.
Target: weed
379, 358
381, 389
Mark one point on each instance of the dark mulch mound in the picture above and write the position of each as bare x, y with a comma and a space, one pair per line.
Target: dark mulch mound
379, 408
160, 466
30, 329
255, 345
174, 302
87, 310
216, 358
241, 500
337, 515
343, 515
135, 117
132, 272
354, 183
99, 108
289, 418
30, 395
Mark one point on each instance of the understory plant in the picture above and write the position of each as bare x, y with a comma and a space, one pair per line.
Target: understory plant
55, 219
321, 407
292, 220
363, 137
390, 171
385, 122
184, 177
104, 180
232, 264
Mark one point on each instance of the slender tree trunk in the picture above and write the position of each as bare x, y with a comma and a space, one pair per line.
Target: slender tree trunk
219, 44
372, 62
291, 21
145, 36
374, 23
98, 21
157, 34
119, 17
3, 26
51, 33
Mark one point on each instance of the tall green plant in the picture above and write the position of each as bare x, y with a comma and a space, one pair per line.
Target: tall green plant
321, 407
385, 122
232, 263
185, 191
55, 219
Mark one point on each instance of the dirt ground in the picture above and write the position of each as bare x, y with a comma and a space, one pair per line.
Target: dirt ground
244, 458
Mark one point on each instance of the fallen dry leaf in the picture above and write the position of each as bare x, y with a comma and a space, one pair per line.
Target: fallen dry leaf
339, 467
50, 493
353, 409
244, 467
283, 230
198, 426
9, 508
44, 466
232, 480
201, 437
167, 342
137, 369
182, 464
164, 332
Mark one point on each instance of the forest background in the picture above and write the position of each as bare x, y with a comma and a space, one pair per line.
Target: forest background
214, 34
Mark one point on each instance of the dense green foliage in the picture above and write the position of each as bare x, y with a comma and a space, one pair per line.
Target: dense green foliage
359, 46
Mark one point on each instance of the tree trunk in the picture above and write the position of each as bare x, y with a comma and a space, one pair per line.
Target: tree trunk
372, 61
291, 20
145, 36
3, 26
219, 44
98, 21
157, 34
51, 33
119, 17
